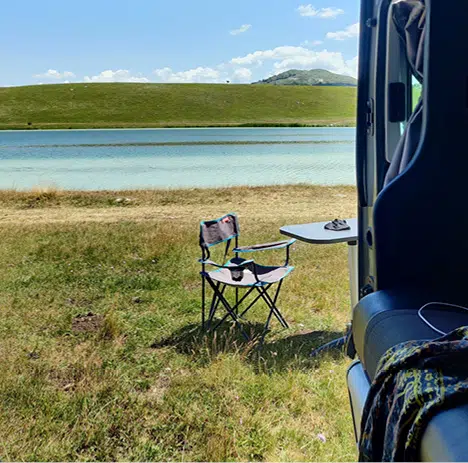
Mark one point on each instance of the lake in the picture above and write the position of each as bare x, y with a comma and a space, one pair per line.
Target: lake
172, 158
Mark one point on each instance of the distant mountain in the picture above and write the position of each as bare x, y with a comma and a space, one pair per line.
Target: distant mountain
312, 77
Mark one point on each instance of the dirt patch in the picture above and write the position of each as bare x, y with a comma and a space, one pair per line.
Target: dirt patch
158, 391
88, 323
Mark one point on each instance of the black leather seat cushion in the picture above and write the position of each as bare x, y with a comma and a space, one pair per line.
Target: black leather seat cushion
387, 318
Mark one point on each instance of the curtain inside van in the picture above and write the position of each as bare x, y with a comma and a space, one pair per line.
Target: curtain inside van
409, 17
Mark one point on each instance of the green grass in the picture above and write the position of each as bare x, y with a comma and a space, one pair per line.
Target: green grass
149, 385
417, 92
129, 105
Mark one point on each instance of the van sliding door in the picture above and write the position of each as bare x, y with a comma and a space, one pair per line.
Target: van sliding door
384, 105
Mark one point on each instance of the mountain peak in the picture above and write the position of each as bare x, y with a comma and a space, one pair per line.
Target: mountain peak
312, 77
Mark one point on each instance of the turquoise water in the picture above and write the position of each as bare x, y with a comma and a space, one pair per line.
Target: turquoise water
171, 158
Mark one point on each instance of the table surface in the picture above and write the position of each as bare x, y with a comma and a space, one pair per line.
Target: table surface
317, 234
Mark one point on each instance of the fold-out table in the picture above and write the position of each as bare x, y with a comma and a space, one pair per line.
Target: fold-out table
315, 233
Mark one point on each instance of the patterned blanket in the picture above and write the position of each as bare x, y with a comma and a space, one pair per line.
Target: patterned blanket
415, 380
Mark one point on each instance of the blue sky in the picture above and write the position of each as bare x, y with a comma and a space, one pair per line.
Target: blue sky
52, 41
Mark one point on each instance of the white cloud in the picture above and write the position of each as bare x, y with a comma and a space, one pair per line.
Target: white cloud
353, 64
325, 13
242, 75
243, 69
241, 30
258, 57
348, 33
198, 75
53, 74
313, 43
121, 75
288, 57
220, 74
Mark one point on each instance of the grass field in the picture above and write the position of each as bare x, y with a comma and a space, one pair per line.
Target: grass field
127, 105
142, 382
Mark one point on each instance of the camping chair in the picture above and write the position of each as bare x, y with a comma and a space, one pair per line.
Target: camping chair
238, 273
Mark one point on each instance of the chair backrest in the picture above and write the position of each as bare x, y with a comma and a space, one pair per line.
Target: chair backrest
213, 232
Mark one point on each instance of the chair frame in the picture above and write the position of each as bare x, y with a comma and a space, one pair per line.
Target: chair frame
219, 288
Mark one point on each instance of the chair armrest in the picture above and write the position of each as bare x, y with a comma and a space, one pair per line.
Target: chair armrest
230, 266
265, 246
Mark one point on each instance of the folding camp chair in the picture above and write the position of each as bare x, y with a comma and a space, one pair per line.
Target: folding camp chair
238, 273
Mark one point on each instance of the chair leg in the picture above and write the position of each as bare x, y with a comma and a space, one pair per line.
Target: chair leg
267, 325
272, 304
229, 309
275, 299
278, 314
214, 304
285, 323
213, 301
233, 312
272, 312
278, 291
234, 309
203, 302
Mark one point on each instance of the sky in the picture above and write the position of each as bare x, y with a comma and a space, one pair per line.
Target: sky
208, 41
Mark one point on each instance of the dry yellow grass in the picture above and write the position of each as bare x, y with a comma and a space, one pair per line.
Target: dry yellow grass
294, 203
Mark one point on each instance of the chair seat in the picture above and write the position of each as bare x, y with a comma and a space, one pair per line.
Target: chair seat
267, 275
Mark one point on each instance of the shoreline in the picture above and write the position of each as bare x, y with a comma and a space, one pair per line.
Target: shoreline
67, 127
294, 202
52, 190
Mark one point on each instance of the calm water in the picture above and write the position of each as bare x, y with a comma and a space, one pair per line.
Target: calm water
161, 158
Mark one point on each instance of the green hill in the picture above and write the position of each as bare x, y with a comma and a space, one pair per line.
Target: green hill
312, 77
120, 105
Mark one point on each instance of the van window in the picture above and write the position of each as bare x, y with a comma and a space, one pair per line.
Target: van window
416, 92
